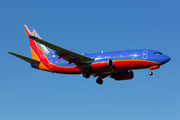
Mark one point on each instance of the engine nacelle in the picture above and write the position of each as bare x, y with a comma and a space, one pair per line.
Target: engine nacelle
102, 64
123, 75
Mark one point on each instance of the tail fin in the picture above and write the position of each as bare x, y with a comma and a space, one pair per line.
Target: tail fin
39, 52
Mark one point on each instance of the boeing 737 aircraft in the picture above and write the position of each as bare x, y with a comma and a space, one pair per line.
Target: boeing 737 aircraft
117, 65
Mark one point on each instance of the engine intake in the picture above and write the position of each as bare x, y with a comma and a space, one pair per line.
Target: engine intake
123, 75
102, 64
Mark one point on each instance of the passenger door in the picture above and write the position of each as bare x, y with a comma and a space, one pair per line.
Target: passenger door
145, 54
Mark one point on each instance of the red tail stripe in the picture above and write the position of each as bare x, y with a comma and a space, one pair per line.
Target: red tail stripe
27, 32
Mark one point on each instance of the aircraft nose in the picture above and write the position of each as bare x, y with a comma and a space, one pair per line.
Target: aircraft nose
166, 59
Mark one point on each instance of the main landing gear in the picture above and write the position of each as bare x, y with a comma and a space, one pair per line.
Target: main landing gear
86, 75
99, 80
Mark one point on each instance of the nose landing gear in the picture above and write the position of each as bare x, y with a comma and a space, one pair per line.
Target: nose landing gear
150, 73
152, 68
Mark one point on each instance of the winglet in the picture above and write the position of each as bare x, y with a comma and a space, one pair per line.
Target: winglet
28, 33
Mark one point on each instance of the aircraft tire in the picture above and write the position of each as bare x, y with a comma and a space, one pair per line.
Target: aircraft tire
86, 75
150, 73
99, 81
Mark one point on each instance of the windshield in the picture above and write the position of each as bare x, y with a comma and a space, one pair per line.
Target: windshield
157, 53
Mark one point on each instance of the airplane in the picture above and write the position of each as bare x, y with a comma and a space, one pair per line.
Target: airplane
117, 65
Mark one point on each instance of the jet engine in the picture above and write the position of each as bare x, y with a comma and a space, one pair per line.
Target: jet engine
123, 75
103, 64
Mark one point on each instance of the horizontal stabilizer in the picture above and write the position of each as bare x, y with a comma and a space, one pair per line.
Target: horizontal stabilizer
29, 60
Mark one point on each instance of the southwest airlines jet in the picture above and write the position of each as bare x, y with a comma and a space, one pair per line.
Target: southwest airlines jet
117, 65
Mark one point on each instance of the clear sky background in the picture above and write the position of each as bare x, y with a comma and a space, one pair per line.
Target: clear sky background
89, 26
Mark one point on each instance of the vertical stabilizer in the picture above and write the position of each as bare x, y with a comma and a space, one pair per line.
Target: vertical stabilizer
38, 51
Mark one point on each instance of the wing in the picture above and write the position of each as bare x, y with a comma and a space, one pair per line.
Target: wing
80, 60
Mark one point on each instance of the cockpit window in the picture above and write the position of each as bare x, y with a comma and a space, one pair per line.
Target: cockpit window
156, 53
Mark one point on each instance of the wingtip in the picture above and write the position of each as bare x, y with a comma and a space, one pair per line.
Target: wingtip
9, 52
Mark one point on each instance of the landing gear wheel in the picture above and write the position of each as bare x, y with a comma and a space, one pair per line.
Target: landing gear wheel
150, 73
86, 75
99, 81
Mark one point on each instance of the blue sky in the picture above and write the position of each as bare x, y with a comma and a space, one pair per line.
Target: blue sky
89, 27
